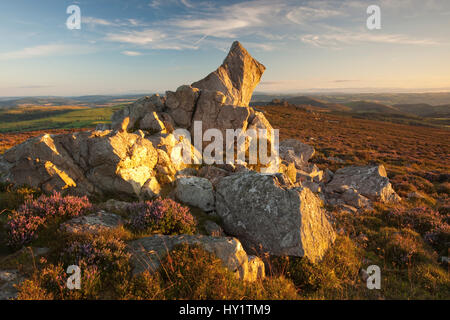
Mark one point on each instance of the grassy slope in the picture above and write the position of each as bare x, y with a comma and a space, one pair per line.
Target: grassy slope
415, 158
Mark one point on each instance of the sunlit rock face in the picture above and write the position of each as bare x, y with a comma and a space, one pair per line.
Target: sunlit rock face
236, 78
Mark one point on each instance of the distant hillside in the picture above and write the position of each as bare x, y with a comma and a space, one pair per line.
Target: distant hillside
37, 101
87, 101
425, 110
308, 103
369, 106
422, 114
431, 98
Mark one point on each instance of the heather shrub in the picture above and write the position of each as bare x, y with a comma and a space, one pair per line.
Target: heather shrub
23, 225
338, 269
439, 238
104, 252
432, 279
162, 216
11, 197
422, 219
190, 272
431, 224
50, 282
144, 286
306, 276
273, 288
404, 248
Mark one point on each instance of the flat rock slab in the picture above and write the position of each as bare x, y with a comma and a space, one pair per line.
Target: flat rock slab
93, 223
148, 252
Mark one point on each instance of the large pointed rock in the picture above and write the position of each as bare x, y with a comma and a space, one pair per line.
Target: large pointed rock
236, 78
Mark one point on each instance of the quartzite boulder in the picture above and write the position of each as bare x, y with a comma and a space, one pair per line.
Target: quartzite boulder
237, 77
295, 151
148, 252
370, 181
266, 215
181, 105
135, 112
95, 162
214, 114
195, 191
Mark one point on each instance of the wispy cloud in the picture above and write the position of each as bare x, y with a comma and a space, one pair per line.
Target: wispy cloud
324, 23
96, 21
344, 81
345, 37
93, 22
44, 51
143, 37
304, 15
131, 53
187, 3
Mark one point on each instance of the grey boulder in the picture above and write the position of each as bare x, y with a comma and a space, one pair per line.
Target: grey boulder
195, 191
266, 215
370, 181
148, 252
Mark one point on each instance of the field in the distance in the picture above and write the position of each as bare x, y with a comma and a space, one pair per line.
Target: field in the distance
31, 118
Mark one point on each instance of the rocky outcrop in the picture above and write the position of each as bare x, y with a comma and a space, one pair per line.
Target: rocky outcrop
195, 191
135, 112
212, 173
236, 78
85, 162
181, 105
279, 214
369, 181
93, 223
148, 252
214, 114
266, 215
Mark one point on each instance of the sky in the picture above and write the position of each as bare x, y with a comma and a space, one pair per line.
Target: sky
147, 46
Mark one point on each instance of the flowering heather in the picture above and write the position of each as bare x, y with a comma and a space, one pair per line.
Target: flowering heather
164, 216
106, 253
24, 223
439, 238
50, 283
429, 223
100, 251
421, 219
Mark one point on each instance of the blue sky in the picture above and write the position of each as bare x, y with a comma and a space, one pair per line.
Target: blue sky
150, 46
